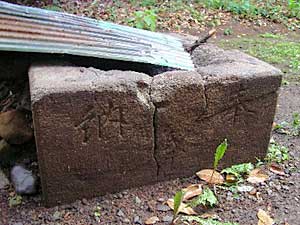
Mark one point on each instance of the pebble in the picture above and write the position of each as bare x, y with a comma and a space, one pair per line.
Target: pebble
137, 200
162, 208
284, 187
167, 219
84, 201
269, 191
160, 199
56, 216
126, 220
120, 213
277, 187
23, 180
18, 223
137, 220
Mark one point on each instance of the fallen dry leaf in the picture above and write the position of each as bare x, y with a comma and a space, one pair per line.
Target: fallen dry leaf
210, 176
230, 178
152, 220
192, 191
183, 208
276, 169
257, 176
264, 218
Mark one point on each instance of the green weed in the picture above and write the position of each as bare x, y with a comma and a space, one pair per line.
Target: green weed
239, 170
269, 35
277, 153
283, 53
256, 9
228, 31
292, 128
146, 19
53, 8
206, 198
14, 200
97, 213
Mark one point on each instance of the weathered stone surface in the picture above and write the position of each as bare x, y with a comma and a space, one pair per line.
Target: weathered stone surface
14, 127
99, 132
231, 96
94, 131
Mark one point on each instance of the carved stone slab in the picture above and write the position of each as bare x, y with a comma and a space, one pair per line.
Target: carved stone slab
94, 131
232, 95
99, 132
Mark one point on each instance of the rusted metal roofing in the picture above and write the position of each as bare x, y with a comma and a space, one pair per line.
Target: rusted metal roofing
27, 29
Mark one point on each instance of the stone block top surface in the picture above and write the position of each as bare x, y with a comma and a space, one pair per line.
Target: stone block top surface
50, 78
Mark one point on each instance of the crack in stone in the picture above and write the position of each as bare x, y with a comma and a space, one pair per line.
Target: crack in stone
154, 130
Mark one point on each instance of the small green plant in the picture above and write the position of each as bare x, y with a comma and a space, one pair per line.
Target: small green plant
178, 198
277, 153
228, 31
269, 35
220, 151
14, 200
239, 170
294, 8
292, 129
201, 221
295, 131
146, 19
206, 198
97, 213
56, 8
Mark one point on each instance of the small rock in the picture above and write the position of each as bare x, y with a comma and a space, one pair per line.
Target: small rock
3, 180
285, 187
152, 220
137, 200
137, 220
56, 216
120, 213
160, 199
84, 201
120, 195
269, 191
18, 223
244, 188
162, 208
167, 219
14, 127
253, 191
277, 187
126, 220
23, 180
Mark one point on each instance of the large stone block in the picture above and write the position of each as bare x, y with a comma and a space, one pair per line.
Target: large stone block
99, 132
232, 95
93, 129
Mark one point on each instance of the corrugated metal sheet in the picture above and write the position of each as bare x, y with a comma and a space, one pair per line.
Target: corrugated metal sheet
28, 29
